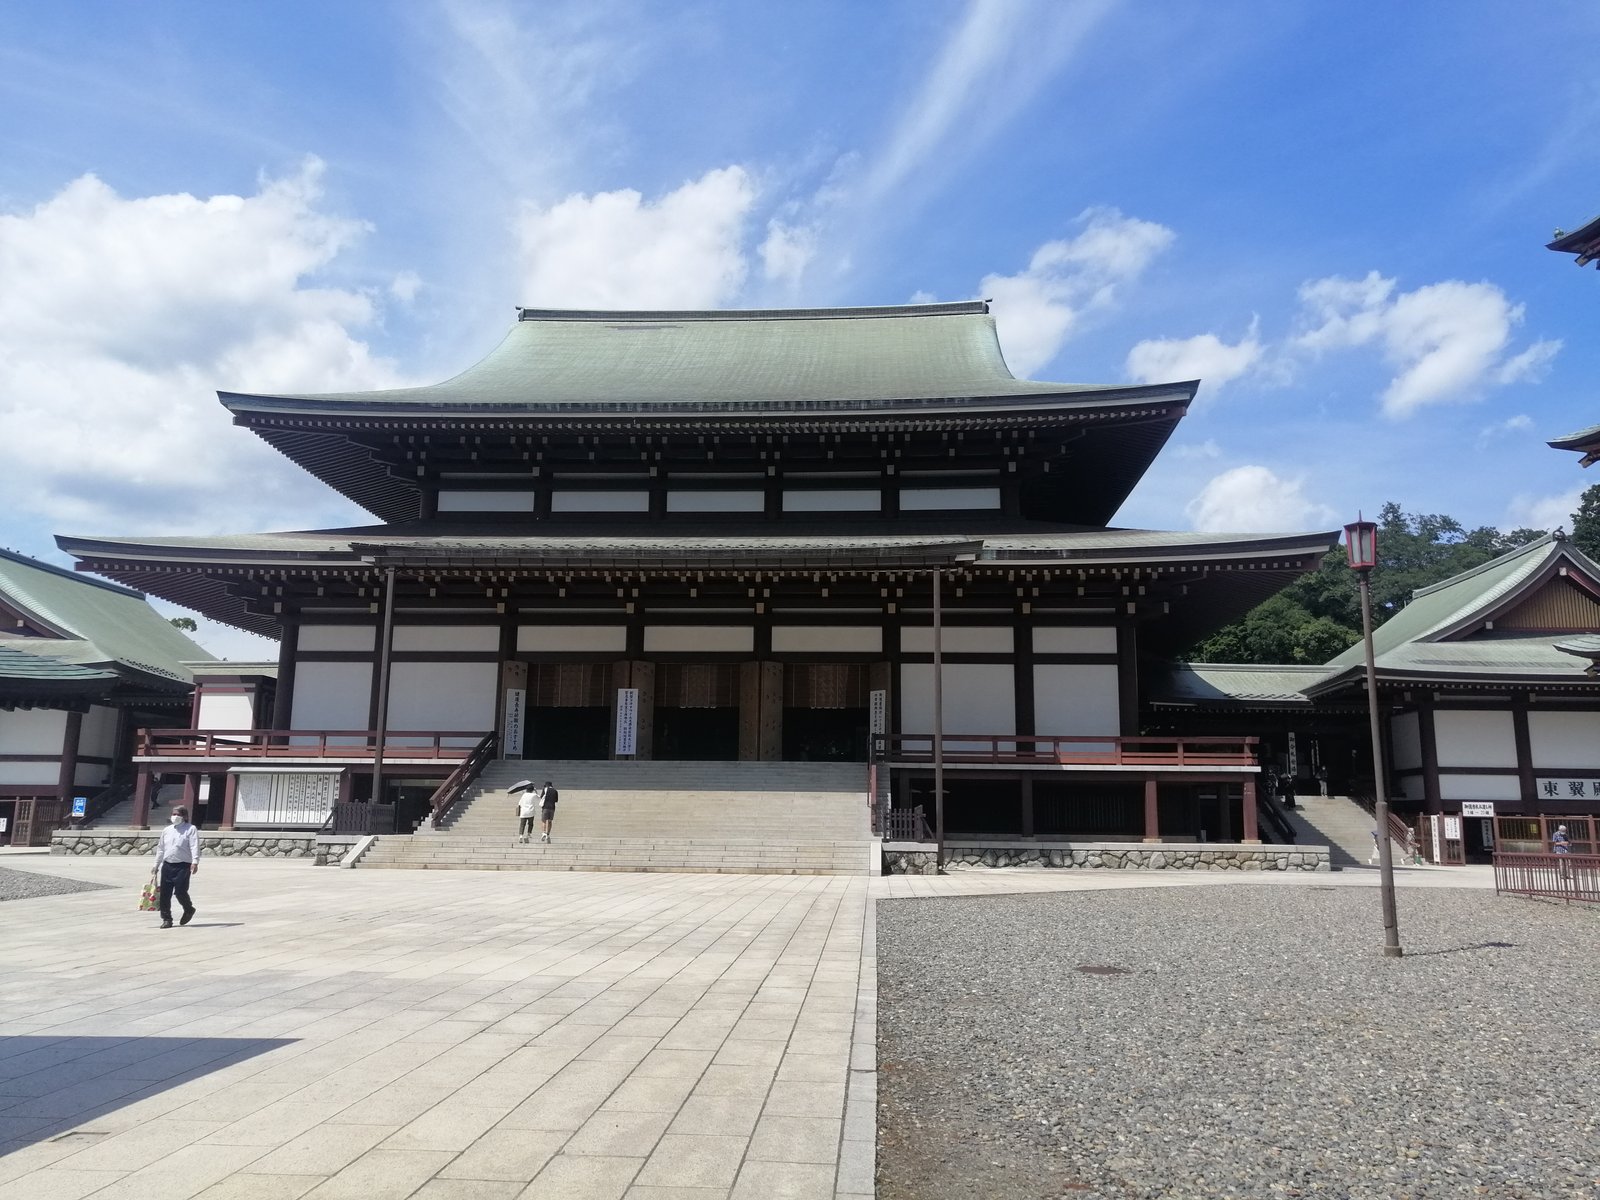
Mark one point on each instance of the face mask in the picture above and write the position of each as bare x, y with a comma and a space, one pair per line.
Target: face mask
174, 818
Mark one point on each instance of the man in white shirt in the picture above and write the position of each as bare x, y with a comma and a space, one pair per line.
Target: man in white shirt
177, 858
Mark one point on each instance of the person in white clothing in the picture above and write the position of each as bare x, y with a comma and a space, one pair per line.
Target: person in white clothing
527, 798
177, 859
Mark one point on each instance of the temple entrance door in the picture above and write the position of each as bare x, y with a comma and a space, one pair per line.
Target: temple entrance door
697, 712
825, 712
568, 712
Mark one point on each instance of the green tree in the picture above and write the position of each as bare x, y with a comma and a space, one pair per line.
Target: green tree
185, 623
1586, 522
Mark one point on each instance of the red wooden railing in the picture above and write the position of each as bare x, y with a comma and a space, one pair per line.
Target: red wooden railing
452, 788
1002, 749
305, 743
1553, 876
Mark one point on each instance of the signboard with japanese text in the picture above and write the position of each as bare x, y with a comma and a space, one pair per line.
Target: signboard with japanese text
511, 734
1452, 829
878, 711
1477, 808
1567, 789
627, 720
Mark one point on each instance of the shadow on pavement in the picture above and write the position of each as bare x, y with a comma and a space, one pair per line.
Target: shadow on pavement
49, 1085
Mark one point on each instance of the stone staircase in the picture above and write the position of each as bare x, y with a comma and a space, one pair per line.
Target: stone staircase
1337, 821
725, 817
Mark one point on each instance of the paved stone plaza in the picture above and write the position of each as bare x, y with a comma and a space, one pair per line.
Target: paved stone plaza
432, 1034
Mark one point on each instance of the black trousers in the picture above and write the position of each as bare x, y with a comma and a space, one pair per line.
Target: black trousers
174, 882
524, 826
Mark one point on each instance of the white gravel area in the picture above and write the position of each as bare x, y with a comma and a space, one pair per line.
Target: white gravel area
1253, 1043
26, 885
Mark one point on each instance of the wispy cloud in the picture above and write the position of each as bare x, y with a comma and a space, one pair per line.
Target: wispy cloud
1205, 357
1253, 499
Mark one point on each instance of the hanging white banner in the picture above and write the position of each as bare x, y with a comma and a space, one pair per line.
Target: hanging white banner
511, 732
878, 712
627, 720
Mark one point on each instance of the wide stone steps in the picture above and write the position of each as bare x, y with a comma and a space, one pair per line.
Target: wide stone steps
616, 854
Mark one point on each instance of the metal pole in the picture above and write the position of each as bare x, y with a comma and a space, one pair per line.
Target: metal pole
385, 647
938, 724
1380, 789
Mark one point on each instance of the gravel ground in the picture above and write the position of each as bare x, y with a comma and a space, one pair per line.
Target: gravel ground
25, 885
1258, 1046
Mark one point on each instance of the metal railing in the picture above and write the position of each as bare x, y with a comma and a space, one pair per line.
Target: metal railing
98, 806
461, 778
1270, 817
303, 743
360, 818
906, 825
1400, 832
1002, 749
1554, 876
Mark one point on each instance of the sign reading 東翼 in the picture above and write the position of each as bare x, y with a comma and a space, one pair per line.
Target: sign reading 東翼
1567, 789
627, 720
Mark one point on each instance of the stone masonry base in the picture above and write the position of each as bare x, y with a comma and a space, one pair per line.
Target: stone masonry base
917, 858
247, 844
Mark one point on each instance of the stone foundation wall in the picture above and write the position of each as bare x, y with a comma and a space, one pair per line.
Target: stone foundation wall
917, 858
143, 842
331, 847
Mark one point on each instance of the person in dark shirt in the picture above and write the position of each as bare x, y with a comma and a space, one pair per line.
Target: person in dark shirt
547, 808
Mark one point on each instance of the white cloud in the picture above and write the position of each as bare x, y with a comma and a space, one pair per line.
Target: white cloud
1520, 423
1037, 309
1205, 449
1447, 341
619, 250
120, 317
1527, 511
1206, 357
405, 286
787, 251
1253, 499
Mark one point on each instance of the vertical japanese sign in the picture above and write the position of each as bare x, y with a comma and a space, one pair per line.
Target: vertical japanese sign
627, 720
1294, 757
878, 711
1438, 850
511, 732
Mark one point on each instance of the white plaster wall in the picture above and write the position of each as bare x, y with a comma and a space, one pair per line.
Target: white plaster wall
618, 502
1475, 739
978, 698
715, 502
337, 637
824, 639
485, 501
1075, 639
1479, 787
91, 775
443, 695
1405, 732
225, 711
923, 499
1070, 700
958, 639
332, 695
685, 639
1564, 739
590, 639
31, 731
833, 500
460, 639
43, 774
98, 734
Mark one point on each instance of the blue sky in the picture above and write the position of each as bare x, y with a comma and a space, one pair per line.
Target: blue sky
1333, 214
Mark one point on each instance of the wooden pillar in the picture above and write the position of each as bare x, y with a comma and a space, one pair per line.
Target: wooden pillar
771, 749
1128, 678
1027, 806
283, 696
141, 799
230, 798
749, 711
1248, 815
1224, 813
1526, 783
67, 777
191, 794
1152, 811
1427, 736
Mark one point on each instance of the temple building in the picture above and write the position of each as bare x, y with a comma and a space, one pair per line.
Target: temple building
83, 664
728, 536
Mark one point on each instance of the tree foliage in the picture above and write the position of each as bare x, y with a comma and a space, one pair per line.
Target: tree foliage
187, 624
1319, 614
1586, 522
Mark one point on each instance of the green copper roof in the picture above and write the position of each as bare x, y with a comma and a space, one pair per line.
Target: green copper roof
49, 659
1580, 440
769, 358
97, 623
1238, 683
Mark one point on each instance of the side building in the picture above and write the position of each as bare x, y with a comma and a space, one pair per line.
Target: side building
733, 536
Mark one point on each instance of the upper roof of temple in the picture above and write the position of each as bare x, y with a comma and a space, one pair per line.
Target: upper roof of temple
734, 360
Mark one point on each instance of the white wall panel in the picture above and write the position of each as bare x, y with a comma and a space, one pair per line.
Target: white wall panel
443, 695
1564, 739
618, 502
337, 637
91, 775
1070, 700
574, 639
825, 639
925, 499
98, 735
978, 698
833, 500
459, 639
715, 502
227, 710
1406, 733
1479, 787
1075, 639
958, 639
1474, 738
45, 774
453, 501
332, 695
32, 731
686, 639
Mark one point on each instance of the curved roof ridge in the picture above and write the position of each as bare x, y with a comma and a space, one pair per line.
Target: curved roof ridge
1493, 563
958, 308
